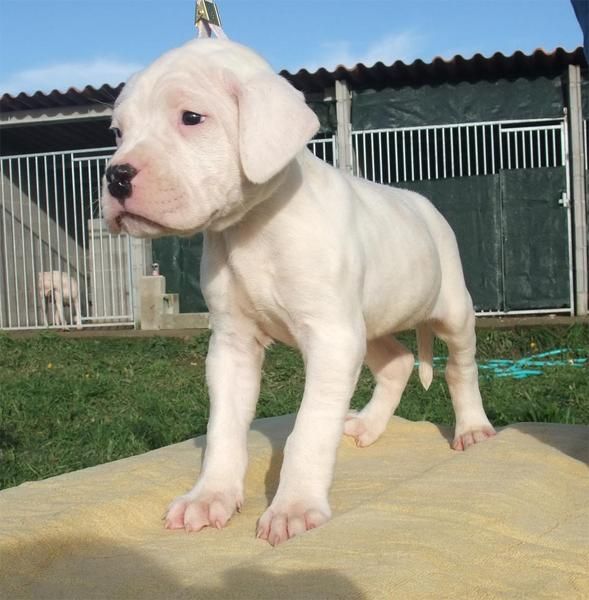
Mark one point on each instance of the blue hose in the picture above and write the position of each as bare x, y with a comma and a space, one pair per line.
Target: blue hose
530, 366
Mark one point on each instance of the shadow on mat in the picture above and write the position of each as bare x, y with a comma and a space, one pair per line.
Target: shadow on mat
560, 437
276, 430
555, 435
77, 568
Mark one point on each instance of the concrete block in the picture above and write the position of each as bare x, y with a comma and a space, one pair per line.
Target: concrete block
151, 291
185, 321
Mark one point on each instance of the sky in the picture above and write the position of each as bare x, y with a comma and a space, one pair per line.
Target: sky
57, 44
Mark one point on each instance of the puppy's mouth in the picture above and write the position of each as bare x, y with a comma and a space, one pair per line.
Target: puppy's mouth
140, 226
129, 215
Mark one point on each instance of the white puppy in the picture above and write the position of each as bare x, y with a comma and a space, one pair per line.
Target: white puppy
210, 139
61, 290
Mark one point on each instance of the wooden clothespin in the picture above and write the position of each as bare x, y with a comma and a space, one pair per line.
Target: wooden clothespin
207, 19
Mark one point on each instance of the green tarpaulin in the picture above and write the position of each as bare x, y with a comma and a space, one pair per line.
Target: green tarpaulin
460, 103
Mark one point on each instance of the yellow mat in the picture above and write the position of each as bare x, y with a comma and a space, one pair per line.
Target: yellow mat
412, 519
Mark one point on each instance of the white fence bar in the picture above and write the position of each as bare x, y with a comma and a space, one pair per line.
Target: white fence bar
59, 266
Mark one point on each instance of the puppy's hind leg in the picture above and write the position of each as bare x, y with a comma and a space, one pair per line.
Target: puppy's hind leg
458, 332
43, 302
58, 309
391, 364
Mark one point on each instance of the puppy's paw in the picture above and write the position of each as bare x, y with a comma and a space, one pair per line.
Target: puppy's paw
363, 429
282, 521
195, 511
463, 439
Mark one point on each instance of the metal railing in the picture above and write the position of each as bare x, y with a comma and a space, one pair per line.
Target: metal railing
59, 266
51, 222
437, 152
325, 148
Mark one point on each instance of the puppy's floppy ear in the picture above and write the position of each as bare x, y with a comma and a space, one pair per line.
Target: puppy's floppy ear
274, 125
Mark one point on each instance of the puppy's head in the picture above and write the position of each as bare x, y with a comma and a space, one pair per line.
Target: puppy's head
197, 133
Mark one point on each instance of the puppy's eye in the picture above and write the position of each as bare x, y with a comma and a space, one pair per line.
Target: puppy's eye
118, 133
191, 118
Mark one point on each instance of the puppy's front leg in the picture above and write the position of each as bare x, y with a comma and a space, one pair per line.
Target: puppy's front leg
333, 360
233, 367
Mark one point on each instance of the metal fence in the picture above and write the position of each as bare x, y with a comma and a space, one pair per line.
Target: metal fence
436, 152
325, 148
59, 266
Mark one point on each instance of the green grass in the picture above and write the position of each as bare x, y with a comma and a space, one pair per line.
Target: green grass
70, 403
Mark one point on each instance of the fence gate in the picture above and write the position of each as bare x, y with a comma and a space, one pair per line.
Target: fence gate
59, 266
504, 188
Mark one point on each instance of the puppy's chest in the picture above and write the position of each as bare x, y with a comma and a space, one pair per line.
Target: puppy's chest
261, 295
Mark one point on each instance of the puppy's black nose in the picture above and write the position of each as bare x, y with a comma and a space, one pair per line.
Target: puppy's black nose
119, 179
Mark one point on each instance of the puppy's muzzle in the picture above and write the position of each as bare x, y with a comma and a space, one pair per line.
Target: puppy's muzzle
119, 179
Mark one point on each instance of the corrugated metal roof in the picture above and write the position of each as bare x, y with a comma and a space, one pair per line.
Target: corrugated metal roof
73, 97
439, 70
379, 75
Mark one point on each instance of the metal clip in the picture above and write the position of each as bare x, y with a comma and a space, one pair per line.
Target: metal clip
207, 11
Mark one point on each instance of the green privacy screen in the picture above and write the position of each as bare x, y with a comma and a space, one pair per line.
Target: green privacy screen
179, 261
500, 100
512, 234
535, 231
472, 207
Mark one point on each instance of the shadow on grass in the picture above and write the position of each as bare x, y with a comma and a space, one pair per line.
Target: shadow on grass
69, 567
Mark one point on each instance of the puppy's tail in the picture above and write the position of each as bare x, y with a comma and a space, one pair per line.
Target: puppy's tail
425, 352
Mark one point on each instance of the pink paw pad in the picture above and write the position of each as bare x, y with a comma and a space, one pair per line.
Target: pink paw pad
472, 437
277, 527
194, 514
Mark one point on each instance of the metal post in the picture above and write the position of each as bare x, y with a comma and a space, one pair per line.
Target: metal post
343, 104
577, 163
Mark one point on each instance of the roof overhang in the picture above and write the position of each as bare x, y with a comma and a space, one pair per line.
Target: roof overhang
61, 114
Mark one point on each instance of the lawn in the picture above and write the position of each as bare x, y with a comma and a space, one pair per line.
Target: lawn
68, 403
